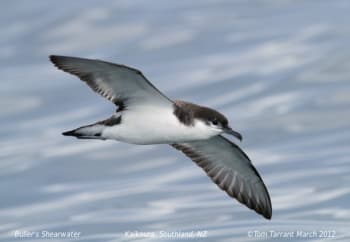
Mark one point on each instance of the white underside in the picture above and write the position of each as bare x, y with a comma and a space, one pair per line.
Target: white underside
156, 126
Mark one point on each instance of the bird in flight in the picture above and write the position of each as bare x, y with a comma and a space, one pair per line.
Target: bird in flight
146, 116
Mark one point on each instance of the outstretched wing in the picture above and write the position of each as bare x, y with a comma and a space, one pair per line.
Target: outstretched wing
230, 168
123, 85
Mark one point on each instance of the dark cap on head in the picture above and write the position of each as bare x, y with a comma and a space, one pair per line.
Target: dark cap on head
188, 112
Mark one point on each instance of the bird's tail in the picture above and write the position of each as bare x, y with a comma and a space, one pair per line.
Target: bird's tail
92, 131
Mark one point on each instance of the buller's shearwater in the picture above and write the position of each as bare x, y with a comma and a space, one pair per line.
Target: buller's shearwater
146, 116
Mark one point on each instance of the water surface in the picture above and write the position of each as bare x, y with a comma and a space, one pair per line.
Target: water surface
278, 69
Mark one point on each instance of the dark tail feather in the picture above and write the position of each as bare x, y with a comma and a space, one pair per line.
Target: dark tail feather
94, 131
86, 132
69, 133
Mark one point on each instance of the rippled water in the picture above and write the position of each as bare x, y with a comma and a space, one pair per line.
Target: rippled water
278, 69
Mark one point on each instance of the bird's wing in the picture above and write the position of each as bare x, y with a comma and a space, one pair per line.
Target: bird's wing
230, 168
125, 86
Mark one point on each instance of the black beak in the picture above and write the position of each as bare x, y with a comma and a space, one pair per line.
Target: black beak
228, 130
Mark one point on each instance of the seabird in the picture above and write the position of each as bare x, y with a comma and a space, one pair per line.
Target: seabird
146, 116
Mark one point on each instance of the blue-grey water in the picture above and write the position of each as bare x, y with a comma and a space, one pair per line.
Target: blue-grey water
280, 70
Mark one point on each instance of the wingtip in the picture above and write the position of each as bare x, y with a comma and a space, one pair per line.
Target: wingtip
267, 213
52, 57
268, 216
55, 58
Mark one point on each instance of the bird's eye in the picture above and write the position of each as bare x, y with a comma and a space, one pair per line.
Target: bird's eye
215, 122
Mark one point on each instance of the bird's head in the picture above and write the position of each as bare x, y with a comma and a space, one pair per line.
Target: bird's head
216, 121
212, 121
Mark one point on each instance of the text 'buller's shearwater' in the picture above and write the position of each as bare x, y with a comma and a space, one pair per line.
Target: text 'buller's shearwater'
146, 116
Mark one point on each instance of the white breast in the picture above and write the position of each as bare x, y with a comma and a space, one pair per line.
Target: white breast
156, 126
